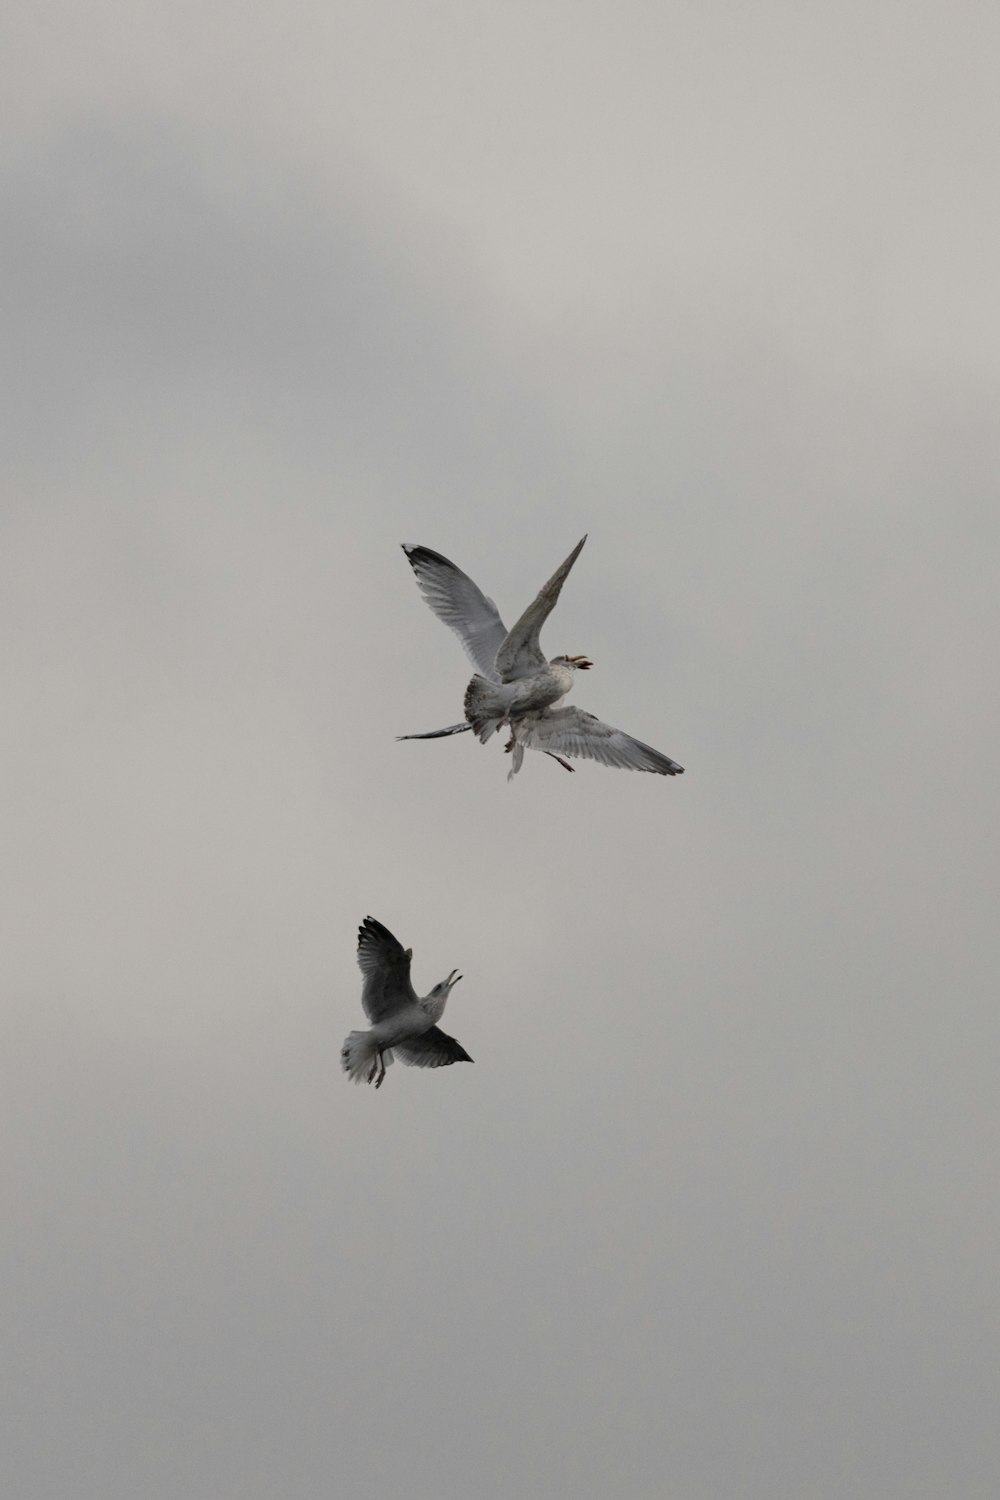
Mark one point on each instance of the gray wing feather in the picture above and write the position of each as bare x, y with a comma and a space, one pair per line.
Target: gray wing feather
520, 654
462, 606
385, 964
437, 734
432, 1049
571, 731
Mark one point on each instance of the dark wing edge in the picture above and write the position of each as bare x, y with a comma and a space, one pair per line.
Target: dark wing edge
378, 949
437, 734
385, 964
433, 1049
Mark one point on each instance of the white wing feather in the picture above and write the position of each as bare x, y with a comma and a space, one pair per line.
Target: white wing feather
571, 731
520, 654
461, 605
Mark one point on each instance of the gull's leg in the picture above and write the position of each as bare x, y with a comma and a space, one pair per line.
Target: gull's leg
512, 742
565, 764
374, 1067
378, 1081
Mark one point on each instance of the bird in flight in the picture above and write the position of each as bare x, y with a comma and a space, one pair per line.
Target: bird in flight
514, 685
403, 1022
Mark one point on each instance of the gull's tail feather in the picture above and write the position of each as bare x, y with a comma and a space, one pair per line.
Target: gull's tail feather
359, 1056
485, 707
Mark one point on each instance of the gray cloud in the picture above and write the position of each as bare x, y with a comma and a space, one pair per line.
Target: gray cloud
713, 1213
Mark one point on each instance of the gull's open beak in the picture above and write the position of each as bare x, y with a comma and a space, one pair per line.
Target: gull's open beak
453, 977
582, 663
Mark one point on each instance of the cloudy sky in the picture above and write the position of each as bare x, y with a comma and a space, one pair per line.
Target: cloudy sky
714, 1216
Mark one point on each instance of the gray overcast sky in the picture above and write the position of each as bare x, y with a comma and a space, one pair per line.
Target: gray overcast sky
714, 1216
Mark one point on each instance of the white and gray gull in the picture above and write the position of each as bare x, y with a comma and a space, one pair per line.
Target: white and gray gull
403, 1022
514, 684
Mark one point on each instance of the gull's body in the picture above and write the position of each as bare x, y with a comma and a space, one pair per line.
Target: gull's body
514, 684
489, 704
403, 1022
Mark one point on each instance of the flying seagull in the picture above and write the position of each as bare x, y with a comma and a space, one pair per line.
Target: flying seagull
402, 1022
514, 684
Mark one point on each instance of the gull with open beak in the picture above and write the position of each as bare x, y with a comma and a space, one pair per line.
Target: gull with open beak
404, 1024
514, 685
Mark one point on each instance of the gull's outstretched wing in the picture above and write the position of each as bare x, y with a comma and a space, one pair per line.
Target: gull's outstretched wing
462, 606
436, 734
520, 654
571, 731
431, 1049
385, 963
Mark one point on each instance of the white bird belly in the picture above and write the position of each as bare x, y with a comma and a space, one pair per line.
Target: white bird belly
413, 1021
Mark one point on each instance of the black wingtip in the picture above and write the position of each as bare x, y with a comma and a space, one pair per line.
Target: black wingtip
417, 553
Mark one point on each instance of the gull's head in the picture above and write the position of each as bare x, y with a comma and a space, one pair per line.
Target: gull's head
441, 991
578, 663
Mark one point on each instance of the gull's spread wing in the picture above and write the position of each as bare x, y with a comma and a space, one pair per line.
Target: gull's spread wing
462, 606
436, 734
431, 1049
385, 964
570, 731
520, 654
